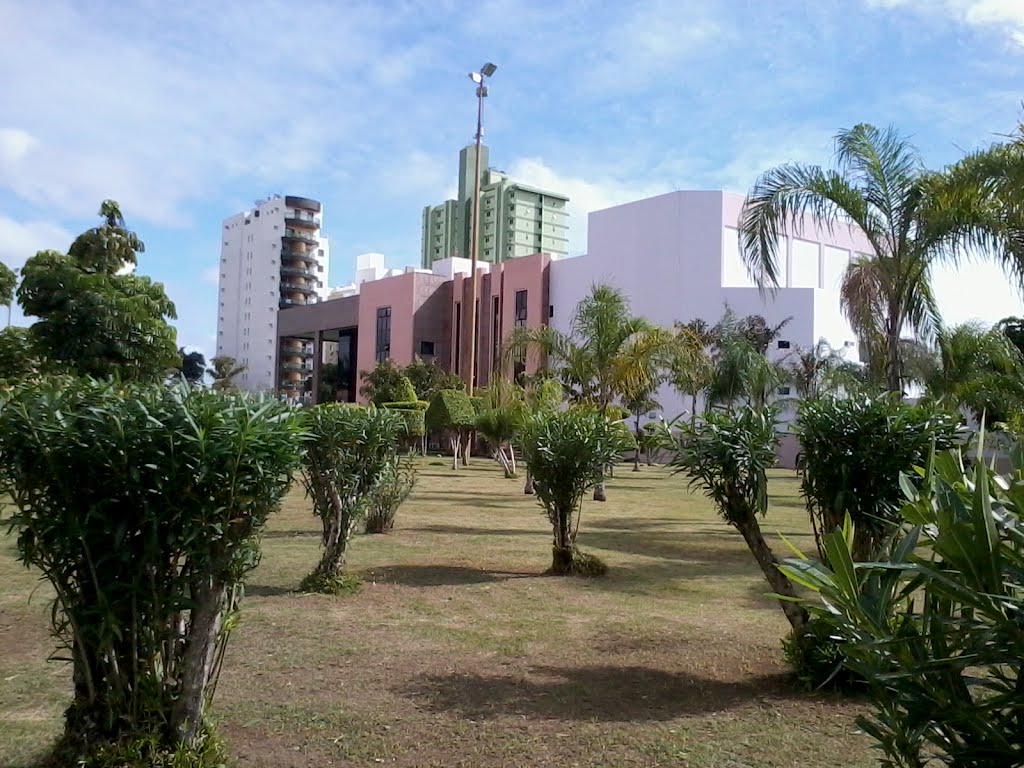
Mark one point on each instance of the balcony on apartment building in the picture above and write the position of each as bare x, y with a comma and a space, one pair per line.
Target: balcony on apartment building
296, 348
301, 235
285, 302
301, 219
310, 257
306, 272
287, 286
296, 368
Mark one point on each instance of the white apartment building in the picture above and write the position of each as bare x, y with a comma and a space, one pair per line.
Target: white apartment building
271, 257
676, 257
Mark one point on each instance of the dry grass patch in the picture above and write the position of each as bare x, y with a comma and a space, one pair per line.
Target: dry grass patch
458, 651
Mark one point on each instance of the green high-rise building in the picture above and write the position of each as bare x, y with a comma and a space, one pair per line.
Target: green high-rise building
515, 218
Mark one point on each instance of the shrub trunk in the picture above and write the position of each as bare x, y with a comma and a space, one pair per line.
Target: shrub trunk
780, 583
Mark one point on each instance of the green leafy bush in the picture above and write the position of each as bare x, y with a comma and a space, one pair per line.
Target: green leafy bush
451, 413
395, 484
348, 451
413, 414
566, 453
142, 505
727, 456
407, 405
936, 627
385, 383
852, 453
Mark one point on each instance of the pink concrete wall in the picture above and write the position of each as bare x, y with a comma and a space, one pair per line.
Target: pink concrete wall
398, 293
530, 274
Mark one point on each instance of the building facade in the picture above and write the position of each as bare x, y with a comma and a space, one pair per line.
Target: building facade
272, 257
516, 219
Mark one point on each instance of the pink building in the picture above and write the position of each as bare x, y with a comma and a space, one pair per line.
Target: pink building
421, 313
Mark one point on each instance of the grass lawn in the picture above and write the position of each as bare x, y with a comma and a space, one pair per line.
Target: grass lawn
459, 652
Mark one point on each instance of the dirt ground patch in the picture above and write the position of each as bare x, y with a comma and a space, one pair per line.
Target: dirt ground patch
459, 651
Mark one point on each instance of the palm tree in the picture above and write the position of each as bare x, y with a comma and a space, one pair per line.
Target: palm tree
223, 371
978, 369
811, 372
691, 369
607, 354
912, 219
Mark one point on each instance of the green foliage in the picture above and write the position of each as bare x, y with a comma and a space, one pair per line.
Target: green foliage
144, 750
450, 410
413, 413
817, 659
8, 282
566, 453
394, 486
324, 584
386, 384
348, 451
727, 456
92, 320
852, 453
428, 378
142, 506
935, 626
406, 405
17, 357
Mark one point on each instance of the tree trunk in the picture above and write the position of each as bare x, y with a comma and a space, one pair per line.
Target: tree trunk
198, 661
467, 446
562, 549
693, 409
512, 458
528, 488
455, 443
779, 582
893, 372
599, 492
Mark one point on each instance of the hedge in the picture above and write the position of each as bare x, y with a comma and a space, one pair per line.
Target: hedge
407, 405
450, 409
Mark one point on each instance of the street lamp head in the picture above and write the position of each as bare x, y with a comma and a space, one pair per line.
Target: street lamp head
476, 77
488, 69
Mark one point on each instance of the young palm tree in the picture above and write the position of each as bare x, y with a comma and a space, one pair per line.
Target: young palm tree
223, 371
607, 354
978, 369
691, 369
912, 219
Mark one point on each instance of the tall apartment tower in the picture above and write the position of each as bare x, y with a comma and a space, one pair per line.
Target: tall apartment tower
515, 219
271, 257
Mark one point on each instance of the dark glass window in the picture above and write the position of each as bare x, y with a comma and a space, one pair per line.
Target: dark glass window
457, 342
520, 308
783, 344
495, 333
427, 348
383, 350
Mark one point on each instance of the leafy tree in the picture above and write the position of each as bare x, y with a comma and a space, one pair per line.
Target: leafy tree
728, 456
935, 626
853, 450
501, 421
979, 369
1013, 328
94, 321
607, 354
142, 506
451, 413
813, 371
192, 367
386, 383
691, 369
741, 374
223, 371
348, 452
8, 282
638, 405
566, 452
17, 357
912, 219
428, 378
541, 397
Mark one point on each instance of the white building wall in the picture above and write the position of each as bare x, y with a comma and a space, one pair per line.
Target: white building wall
249, 291
676, 257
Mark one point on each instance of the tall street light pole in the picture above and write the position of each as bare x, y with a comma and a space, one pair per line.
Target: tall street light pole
479, 78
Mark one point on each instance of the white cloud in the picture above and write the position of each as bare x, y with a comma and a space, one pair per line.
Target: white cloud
211, 275
20, 240
14, 145
585, 195
1006, 16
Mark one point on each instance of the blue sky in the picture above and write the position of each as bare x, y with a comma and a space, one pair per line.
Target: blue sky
186, 112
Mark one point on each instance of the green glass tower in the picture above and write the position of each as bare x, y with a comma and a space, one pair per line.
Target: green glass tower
516, 219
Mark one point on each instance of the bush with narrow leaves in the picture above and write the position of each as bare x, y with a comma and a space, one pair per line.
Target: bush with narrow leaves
142, 506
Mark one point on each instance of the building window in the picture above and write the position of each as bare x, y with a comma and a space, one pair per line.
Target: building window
426, 348
783, 391
520, 308
457, 343
783, 344
495, 332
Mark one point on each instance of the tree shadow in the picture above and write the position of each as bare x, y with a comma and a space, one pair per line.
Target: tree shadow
591, 693
441, 575
267, 590
307, 534
465, 529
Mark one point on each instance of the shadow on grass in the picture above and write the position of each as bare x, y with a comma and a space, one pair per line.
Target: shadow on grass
472, 531
441, 575
591, 693
307, 534
266, 590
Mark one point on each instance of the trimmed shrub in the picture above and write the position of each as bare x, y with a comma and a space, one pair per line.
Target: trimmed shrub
405, 391
852, 453
451, 413
347, 453
142, 505
413, 413
407, 405
393, 488
566, 453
